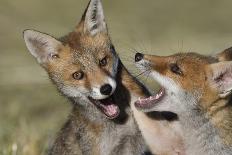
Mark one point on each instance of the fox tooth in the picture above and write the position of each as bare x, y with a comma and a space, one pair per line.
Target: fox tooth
157, 96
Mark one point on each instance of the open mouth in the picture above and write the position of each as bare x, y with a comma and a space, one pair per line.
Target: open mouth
151, 101
107, 106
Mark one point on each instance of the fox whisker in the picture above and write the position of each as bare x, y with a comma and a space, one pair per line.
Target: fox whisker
142, 73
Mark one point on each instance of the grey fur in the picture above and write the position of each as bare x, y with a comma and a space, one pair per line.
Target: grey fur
201, 136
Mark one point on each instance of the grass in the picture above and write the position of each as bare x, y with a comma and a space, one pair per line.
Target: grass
32, 111
29, 118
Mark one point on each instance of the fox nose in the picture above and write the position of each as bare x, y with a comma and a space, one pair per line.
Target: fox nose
138, 57
106, 89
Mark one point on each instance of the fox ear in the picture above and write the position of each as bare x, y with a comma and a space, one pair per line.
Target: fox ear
220, 75
225, 55
42, 46
93, 18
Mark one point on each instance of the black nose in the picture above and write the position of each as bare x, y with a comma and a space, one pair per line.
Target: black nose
106, 89
138, 57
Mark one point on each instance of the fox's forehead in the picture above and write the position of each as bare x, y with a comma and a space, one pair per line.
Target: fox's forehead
84, 50
193, 59
75, 56
82, 43
84, 59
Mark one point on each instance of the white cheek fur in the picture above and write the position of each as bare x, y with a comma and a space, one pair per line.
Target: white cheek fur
74, 91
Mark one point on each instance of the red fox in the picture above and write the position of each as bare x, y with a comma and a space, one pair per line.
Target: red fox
87, 70
198, 89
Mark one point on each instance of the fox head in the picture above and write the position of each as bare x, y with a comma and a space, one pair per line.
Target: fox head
83, 64
188, 81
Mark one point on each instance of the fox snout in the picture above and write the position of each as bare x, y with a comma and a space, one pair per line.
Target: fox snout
138, 57
106, 89
142, 62
147, 62
103, 90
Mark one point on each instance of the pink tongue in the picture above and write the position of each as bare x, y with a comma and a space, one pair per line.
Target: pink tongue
111, 109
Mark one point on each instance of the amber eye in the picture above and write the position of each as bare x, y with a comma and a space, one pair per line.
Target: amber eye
103, 62
176, 69
54, 56
78, 75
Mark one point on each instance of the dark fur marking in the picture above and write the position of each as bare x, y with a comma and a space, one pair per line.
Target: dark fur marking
164, 115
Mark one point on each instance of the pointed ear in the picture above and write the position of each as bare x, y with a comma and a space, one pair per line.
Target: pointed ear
220, 76
42, 46
225, 55
93, 20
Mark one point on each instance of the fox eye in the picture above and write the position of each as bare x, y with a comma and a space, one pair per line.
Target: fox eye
54, 56
78, 75
176, 69
103, 62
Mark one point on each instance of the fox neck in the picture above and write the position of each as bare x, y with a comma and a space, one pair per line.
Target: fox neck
221, 118
197, 128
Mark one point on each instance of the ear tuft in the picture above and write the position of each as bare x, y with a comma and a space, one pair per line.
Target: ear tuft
225, 55
41, 46
94, 20
221, 77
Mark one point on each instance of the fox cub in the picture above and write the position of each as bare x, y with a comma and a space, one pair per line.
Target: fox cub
198, 89
87, 70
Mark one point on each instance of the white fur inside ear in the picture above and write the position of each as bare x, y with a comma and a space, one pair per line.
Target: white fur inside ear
222, 77
40, 45
94, 19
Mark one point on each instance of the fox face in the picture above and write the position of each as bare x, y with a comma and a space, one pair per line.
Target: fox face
188, 81
83, 64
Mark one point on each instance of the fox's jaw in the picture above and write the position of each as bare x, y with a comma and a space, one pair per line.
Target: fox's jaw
175, 96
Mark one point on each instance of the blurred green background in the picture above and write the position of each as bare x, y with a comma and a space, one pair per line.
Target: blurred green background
32, 111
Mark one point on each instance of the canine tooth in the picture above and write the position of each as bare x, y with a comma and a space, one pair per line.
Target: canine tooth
157, 96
